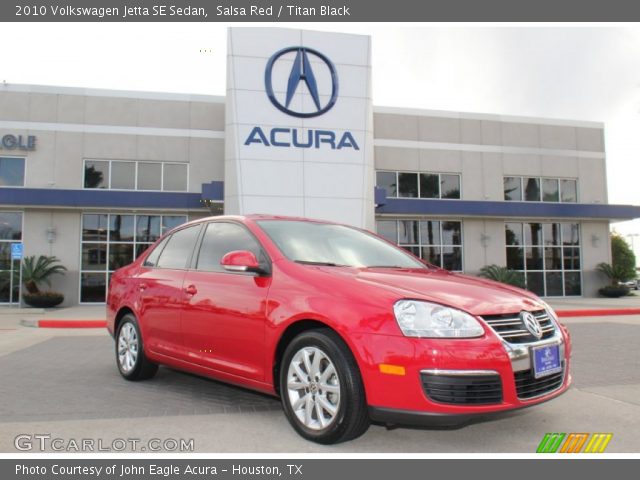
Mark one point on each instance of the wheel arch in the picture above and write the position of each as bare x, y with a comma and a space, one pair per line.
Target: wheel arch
124, 310
293, 330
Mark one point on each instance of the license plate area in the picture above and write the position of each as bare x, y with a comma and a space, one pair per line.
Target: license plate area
546, 360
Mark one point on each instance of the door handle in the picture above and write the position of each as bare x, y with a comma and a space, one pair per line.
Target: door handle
142, 287
191, 290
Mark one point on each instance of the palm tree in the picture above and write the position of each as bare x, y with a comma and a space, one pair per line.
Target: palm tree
36, 271
615, 273
503, 275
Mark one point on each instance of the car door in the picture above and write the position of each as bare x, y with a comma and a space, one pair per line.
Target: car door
223, 320
161, 296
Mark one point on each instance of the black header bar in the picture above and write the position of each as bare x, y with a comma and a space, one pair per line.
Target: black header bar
320, 11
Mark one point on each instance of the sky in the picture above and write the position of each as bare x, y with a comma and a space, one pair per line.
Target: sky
573, 72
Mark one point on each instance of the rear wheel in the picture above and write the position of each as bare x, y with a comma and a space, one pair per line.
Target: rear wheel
321, 388
130, 357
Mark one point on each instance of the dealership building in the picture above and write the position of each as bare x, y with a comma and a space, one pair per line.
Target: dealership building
95, 176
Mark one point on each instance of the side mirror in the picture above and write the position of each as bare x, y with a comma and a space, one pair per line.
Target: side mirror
240, 261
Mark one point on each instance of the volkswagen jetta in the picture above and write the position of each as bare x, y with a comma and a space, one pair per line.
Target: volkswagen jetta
343, 326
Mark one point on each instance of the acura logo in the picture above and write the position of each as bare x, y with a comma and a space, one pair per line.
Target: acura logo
302, 72
531, 323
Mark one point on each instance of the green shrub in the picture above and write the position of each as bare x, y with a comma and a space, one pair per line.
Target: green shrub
623, 259
503, 275
39, 270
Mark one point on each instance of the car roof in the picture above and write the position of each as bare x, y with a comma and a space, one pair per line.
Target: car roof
259, 216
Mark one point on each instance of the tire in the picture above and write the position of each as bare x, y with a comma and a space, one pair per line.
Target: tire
337, 402
130, 358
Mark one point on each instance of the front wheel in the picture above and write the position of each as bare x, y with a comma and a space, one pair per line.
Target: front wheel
130, 357
321, 388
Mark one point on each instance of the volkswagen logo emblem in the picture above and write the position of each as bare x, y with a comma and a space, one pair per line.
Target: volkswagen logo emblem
302, 72
531, 323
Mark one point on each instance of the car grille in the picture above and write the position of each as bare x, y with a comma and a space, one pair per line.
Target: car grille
528, 386
463, 390
511, 328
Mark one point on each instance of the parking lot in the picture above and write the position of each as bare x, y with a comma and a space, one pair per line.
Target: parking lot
65, 383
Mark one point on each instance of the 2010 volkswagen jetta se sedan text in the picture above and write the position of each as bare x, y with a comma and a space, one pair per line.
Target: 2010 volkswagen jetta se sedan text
345, 327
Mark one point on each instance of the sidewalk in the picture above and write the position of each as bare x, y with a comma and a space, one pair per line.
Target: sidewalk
94, 312
594, 303
600, 307
81, 316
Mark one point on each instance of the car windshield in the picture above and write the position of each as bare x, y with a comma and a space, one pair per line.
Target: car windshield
334, 245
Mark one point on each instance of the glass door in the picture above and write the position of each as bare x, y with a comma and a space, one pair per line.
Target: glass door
10, 232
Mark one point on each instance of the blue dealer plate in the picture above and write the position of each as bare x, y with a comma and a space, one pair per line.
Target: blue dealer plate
546, 360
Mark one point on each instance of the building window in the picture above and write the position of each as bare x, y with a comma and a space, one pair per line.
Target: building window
130, 175
538, 189
531, 189
174, 177
548, 254
449, 186
419, 185
11, 172
111, 241
96, 174
550, 190
568, 191
10, 232
439, 242
513, 188
408, 185
388, 181
149, 176
123, 175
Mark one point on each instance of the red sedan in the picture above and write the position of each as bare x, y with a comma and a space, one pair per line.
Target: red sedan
345, 327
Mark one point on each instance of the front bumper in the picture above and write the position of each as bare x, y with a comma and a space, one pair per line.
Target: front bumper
402, 398
392, 416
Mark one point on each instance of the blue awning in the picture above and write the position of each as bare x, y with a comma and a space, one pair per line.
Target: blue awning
481, 208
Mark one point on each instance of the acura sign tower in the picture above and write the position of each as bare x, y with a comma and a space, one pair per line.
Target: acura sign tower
299, 125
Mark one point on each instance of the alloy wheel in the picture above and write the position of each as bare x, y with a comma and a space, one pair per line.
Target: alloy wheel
313, 388
128, 347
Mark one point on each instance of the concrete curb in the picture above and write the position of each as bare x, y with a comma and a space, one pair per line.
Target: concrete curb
598, 312
29, 322
53, 323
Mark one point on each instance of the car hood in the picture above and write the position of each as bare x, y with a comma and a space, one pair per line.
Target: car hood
474, 295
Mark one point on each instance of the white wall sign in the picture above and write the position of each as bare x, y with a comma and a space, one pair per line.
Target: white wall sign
299, 125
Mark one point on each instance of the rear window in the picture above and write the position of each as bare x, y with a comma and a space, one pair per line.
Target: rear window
152, 258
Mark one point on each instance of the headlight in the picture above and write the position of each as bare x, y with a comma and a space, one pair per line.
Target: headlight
430, 320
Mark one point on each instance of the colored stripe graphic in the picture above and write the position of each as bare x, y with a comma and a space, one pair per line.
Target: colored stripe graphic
550, 442
598, 443
574, 442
